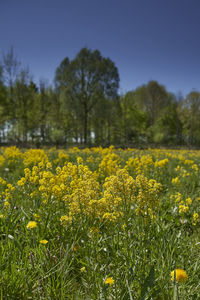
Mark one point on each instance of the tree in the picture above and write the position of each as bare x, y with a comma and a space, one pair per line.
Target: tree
23, 95
134, 119
4, 112
189, 113
152, 99
86, 79
167, 128
10, 66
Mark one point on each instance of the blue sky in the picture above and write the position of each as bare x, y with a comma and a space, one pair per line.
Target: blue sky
147, 39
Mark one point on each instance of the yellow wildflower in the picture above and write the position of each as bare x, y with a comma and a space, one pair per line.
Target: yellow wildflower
195, 219
65, 219
195, 216
188, 201
183, 208
36, 216
181, 275
6, 204
109, 280
22, 181
176, 180
31, 224
43, 242
83, 269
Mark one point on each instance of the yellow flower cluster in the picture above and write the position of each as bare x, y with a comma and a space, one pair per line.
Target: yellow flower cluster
183, 208
161, 163
12, 154
101, 185
183, 205
35, 156
109, 164
2, 160
195, 219
140, 165
176, 181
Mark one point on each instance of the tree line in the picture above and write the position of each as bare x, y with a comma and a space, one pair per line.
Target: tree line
84, 107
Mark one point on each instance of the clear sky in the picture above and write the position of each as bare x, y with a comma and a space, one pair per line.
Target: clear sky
147, 39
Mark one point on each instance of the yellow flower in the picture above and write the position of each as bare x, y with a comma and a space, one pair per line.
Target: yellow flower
36, 216
176, 180
83, 269
188, 201
22, 181
195, 216
181, 275
65, 219
31, 224
6, 204
109, 281
195, 219
183, 208
44, 242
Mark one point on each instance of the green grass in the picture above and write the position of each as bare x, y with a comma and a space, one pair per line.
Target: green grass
138, 252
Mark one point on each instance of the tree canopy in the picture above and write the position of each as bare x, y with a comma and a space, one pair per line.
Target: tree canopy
84, 107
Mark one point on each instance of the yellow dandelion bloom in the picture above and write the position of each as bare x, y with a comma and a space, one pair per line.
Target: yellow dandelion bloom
181, 275
43, 242
31, 224
109, 281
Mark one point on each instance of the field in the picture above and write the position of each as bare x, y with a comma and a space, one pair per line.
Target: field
99, 224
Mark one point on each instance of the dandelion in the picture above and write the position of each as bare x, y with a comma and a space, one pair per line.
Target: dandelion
43, 242
109, 281
181, 275
31, 224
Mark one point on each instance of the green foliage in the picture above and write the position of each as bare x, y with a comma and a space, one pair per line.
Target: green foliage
84, 107
85, 81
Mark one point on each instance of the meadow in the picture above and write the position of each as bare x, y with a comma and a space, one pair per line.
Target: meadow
99, 224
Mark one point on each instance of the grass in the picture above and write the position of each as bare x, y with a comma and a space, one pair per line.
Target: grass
118, 223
